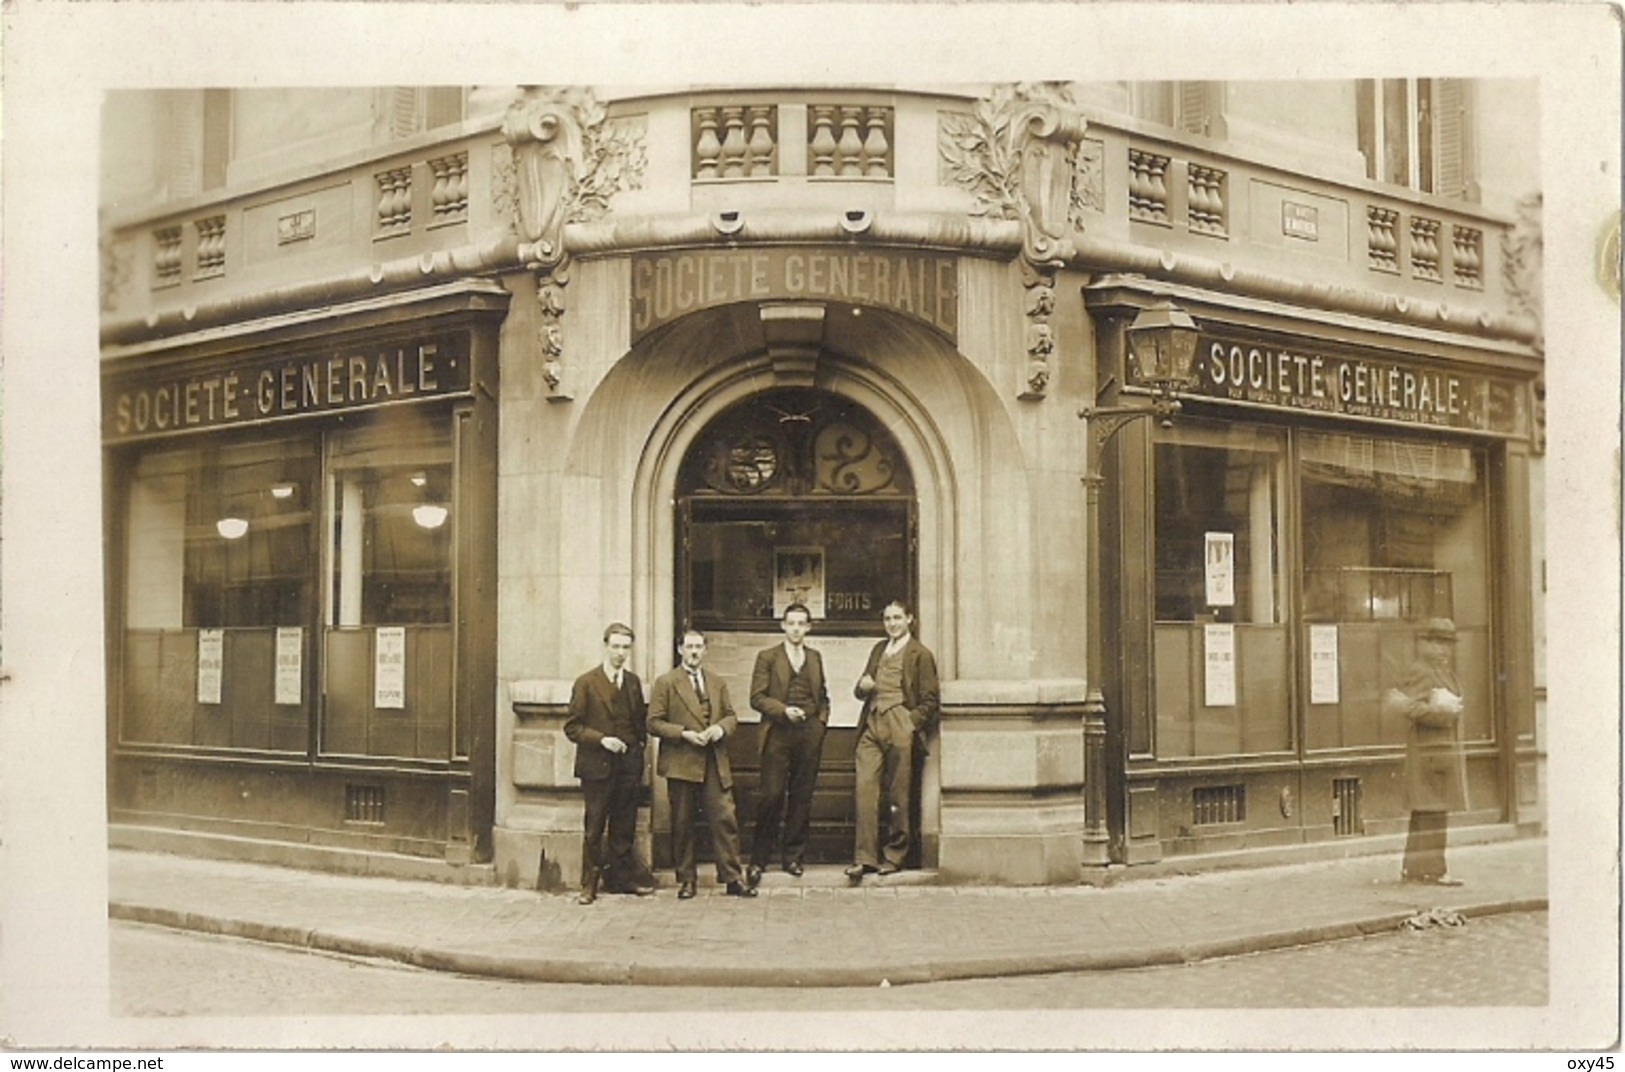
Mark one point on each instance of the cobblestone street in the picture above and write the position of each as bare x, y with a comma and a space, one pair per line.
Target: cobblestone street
1498, 960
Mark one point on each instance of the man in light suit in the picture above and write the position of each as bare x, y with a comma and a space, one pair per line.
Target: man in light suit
900, 695
691, 714
606, 724
787, 687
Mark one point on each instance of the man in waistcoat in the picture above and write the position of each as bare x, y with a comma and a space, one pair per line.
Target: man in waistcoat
1430, 699
606, 724
691, 714
787, 687
899, 693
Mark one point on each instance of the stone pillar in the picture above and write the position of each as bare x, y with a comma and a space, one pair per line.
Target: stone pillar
1012, 807
537, 844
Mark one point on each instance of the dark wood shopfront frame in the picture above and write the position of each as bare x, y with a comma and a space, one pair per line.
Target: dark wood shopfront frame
448, 806
1139, 825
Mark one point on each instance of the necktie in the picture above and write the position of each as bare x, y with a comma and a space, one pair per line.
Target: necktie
699, 683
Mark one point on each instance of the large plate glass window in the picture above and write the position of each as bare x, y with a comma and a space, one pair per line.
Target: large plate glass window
1220, 642
389, 596
1394, 532
219, 587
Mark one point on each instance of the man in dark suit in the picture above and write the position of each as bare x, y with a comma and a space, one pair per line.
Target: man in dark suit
900, 694
787, 687
606, 723
691, 714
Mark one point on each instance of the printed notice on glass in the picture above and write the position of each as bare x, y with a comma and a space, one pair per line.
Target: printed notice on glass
1323, 664
389, 668
211, 663
1219, 681
290, 652
1221, 569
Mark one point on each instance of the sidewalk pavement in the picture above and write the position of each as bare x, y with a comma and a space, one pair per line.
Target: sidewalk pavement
815, 931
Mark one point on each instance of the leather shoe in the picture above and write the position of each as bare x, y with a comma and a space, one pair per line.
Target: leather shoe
794, 868
753, 876
587, 897
739, 889
685, 891
889, 868
856, 872
1446, 880
632, 889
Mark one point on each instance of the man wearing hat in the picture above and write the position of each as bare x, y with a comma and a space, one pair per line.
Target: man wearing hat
1435, 783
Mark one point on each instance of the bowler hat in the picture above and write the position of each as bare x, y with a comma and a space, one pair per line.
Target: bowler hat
1438, 629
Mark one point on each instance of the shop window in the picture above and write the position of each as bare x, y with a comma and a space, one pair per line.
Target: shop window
1394, 532
220, 562
1221, 646
388, 637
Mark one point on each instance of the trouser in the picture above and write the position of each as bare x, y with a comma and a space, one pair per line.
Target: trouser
611, 822
885, 769
1424, 845
718, 804
789, 771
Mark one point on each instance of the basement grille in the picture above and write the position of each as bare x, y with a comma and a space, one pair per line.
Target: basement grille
1219, 804
364, 804
1346, 818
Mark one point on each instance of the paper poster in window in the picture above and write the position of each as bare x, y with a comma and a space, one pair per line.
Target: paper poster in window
798, 577
1323, 664
1221, 569
211, 662
389, 668
1219, 680
290, 649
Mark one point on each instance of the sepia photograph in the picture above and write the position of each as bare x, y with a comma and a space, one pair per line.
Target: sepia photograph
1059, 493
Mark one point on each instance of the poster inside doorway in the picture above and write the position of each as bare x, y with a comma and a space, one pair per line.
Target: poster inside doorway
798, 577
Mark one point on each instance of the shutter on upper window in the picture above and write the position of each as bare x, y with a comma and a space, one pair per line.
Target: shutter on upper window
1196, 107
1453, 139
403, 112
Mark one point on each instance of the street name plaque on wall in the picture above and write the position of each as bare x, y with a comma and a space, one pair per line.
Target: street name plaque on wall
1352, 384
668, 286
252, 389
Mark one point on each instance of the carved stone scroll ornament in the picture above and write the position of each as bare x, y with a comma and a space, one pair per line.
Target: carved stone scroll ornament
569, 162
1017, 153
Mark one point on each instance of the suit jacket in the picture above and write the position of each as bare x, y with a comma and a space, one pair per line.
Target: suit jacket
590, 720
770, 685
676, 707
920, 689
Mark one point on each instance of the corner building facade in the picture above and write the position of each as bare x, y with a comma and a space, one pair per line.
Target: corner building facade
408, 392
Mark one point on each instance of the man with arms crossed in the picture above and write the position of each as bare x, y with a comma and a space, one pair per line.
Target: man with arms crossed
899, 693
606, 724
691, 714
787, 687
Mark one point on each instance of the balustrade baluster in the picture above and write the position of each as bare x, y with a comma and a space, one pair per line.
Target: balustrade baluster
875, 146
851, 146
707, 149
761, 141
733, 142
823, 140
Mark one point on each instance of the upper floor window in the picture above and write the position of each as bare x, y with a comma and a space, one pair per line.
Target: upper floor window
1417, 132
213, 136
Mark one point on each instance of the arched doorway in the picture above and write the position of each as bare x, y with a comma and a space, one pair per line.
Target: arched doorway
794, 495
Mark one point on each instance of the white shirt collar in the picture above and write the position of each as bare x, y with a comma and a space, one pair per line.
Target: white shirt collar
613, 674
895, 646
